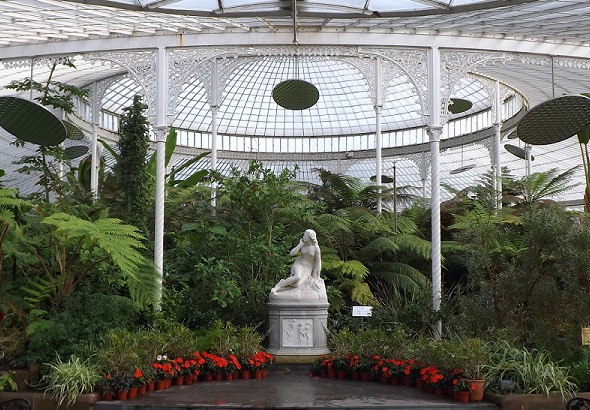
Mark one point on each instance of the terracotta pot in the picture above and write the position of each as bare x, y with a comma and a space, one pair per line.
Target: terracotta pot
440, 391
456, 395
395, 380
384, 380
245, 374
218, 376
189, 379
258, 374
150, 386
324, 373
419, 383
355, 376
179, 380
365, 376
229, 376
463, 396
408, 381
341, 374
122, 395
160, 385
331, 374
132, 393
477, 393
142, 389
107, 396
168, 382
264, 372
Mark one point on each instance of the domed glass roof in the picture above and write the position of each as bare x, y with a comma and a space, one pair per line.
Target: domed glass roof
345, 106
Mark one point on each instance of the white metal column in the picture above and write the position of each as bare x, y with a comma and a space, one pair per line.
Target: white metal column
214, 108
497, 131
378, 136
160, 130
94, 152
434, 132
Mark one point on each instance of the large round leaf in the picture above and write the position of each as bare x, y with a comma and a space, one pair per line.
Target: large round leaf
463, 168
295, 94
517, 151
75, 151
384, 179
73, 132
30, 121
459, 105
554, 120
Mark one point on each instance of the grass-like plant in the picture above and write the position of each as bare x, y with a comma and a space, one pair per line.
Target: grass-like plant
65, 381
532, 371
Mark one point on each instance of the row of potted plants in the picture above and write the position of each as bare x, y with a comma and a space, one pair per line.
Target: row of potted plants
394, 371
166, 372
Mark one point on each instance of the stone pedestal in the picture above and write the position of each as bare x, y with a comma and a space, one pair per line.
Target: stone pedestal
298, 320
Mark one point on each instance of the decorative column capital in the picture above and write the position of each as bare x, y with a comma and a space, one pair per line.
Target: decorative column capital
160, 133
434, 132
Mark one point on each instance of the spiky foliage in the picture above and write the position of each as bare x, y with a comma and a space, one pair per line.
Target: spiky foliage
338, 191
540, 185
80, 247
362, 248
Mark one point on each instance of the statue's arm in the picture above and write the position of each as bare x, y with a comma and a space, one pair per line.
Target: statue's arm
296, 249
317, 263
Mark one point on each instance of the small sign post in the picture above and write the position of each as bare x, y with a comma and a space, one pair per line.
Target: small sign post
362, 312
586, 336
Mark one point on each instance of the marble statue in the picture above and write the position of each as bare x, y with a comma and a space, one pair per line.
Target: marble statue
307, 266
298, 307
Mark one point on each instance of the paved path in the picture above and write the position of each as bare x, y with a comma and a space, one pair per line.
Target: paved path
290, 387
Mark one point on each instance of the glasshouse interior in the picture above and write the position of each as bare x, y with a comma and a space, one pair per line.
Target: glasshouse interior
163, 163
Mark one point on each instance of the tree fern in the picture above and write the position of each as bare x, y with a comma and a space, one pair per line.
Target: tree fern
81, 245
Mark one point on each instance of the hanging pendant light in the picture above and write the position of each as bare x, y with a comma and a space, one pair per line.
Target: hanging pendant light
295, 94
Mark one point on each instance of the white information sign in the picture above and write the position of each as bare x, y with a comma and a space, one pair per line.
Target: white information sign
362, 310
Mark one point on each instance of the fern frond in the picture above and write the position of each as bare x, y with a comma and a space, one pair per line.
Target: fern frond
354, 269
403, 277
40, 289
361, 294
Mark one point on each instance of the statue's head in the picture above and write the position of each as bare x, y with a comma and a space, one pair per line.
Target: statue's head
310, 233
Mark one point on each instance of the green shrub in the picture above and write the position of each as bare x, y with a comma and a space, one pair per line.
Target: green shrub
580, 371
86, 319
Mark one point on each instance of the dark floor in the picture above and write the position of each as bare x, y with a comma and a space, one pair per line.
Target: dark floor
290, 387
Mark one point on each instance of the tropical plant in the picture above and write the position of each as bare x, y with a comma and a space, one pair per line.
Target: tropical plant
66, 381
81, 246
534, 188
10, 203
339, 191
